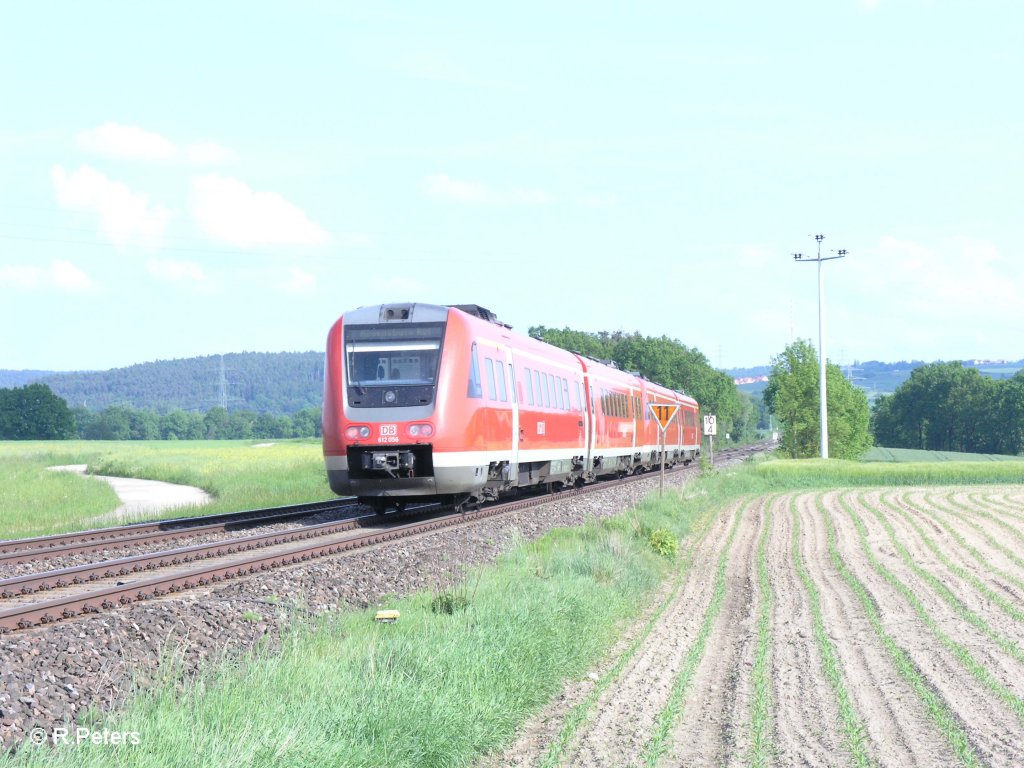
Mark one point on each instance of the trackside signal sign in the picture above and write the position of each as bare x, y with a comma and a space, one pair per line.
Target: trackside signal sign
663, 412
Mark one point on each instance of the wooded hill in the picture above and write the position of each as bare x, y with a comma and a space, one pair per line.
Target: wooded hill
278, 383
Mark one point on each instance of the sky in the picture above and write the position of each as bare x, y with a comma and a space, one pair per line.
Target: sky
184, 179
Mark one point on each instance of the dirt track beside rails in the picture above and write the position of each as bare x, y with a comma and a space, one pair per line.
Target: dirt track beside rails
914, 595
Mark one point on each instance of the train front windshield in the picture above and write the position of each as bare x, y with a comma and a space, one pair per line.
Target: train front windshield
393, 355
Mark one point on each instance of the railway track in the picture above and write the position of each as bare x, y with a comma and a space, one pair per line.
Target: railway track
104, 585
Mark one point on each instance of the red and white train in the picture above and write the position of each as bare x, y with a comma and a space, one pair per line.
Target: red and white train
424, 401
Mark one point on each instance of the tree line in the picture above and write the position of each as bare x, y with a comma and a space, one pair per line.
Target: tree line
947, 407
34, 412
672, 364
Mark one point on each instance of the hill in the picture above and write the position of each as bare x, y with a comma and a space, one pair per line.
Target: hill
278, 383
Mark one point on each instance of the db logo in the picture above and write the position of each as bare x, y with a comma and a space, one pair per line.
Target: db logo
388, 430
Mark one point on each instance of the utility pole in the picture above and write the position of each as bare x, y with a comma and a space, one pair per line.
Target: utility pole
821, 336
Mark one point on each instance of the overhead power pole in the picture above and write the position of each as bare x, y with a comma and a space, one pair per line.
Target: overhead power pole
821, 336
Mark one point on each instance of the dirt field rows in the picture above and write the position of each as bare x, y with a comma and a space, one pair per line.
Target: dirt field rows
839, 628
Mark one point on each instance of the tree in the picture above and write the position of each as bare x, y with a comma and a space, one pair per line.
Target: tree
663, 360
33, 412
947, 407
793, 396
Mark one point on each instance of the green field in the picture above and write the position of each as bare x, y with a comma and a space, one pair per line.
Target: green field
238, 474
905, 455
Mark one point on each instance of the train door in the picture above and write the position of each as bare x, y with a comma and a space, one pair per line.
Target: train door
514, 403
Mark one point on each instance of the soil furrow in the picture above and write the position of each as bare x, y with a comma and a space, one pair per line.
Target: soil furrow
897, 723
806, 712
715, 726
989, 724
625, 714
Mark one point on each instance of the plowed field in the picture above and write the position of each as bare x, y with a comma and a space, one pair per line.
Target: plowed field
859, 627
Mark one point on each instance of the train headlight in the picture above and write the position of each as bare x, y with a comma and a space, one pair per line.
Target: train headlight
364, 431
390, 396
420, 430
354, 432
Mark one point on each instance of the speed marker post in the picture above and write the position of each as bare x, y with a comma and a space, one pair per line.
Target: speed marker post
663, 414
711, 429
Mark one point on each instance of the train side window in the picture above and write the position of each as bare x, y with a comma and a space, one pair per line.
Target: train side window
536, 386
474, 389
512, 383
547, 390
553, 391
491, 390
576, 392
529, 386
500, 373
558, 393
565, 394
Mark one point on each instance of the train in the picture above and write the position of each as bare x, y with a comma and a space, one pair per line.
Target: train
426, 402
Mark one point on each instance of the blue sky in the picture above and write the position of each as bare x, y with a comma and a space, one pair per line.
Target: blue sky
194, 178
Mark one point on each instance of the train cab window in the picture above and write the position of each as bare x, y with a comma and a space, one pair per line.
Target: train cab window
474, 389
492, 391
502, 392
529, 386
402, 359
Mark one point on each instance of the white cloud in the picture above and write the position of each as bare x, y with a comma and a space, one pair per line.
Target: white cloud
232, 212
298, 282
127, 141
130, 142
60, 275
176, 271
441, 186
207, 153
126, 217
187, 274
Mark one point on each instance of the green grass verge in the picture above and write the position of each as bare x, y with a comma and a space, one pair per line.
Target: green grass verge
854, 731
937, 709
960, 651
35, 501
903, 455
829, 473
236, 474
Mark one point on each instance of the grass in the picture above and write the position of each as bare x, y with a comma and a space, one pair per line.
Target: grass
829, 473
937, 709
854, 732
34, 502
905, 455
